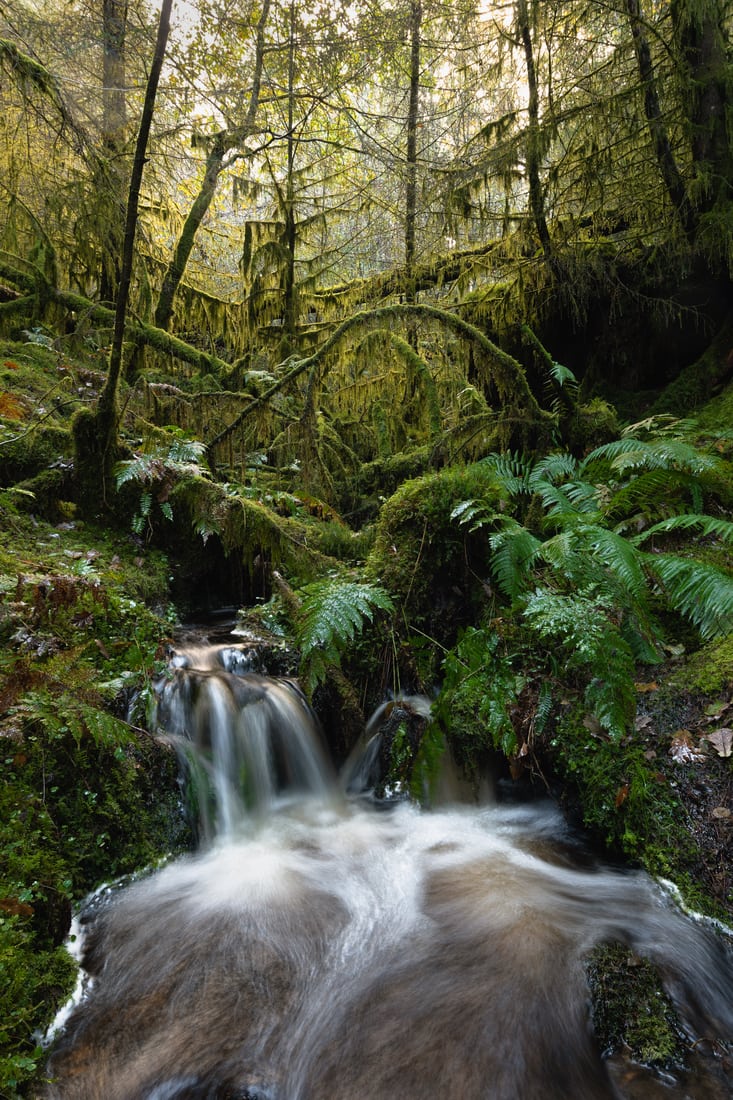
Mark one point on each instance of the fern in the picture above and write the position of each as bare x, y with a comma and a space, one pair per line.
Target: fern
708, 525
581, 624
477, 513
181, 459
667, 454
553, 468
648, 496
514, 552
700, 592
332, 613
163, 467
511, 470
616, 554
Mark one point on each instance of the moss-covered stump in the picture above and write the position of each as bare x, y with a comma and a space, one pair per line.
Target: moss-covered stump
425, 559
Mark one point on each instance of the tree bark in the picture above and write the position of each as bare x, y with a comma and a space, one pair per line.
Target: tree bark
413, 114
107, 413
536, 196
114, 122
221, 143
702, 42
666, 161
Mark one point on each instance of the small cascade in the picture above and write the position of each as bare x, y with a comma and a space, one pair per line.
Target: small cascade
248, 741
315, 948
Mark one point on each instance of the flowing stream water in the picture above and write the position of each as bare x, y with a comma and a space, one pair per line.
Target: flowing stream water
322, 947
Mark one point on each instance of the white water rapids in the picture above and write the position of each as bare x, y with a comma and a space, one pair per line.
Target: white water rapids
321, 949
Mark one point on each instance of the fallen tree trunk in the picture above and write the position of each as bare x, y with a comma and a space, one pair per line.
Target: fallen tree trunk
34, 283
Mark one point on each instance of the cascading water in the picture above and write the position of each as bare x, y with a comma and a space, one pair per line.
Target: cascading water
317, 949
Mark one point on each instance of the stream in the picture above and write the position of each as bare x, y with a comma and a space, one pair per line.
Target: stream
324, 946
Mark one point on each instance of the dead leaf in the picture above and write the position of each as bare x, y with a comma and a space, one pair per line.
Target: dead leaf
651, 686
621, 795
592, 724
721, 740
682, 749
642, 721
721, 812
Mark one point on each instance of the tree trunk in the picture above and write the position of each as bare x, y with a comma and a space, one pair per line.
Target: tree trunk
702, 42
96, 439
221, 144
536, 196
290, 233
668, 167
411, 158
114, 122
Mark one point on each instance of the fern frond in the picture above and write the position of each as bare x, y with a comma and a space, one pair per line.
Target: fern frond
708, 525
514, 553
553, 467
186, 451
646, 497
702, 593
332, 612
511, 470
618, 555
477, 513
658, 454
139, 469
555, 499
579, 623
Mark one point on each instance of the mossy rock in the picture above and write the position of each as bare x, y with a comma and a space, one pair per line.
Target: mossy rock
29, 455
591, 425
631, 1011
427, 560
709, 671
51, 492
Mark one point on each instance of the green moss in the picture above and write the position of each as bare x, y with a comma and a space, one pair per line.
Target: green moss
627, 804
591, 425
28, 455
709, 671
695, 385
34, 983
631, 1010
427, 560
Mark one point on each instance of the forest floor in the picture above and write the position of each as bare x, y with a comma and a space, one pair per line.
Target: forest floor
104, 632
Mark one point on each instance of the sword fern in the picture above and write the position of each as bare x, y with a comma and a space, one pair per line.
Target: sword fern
332, 613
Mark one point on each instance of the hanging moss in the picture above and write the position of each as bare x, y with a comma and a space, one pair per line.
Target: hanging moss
245, 527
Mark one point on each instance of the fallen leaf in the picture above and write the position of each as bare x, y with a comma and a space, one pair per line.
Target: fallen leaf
642, 721
682, 749
714, 710
721, 740
651, 686
621, 795
721, 812
592, 724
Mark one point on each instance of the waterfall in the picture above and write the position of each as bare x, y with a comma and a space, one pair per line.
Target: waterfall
250, 741
318, 949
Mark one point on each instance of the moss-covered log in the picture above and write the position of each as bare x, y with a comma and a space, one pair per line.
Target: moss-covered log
506, 372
